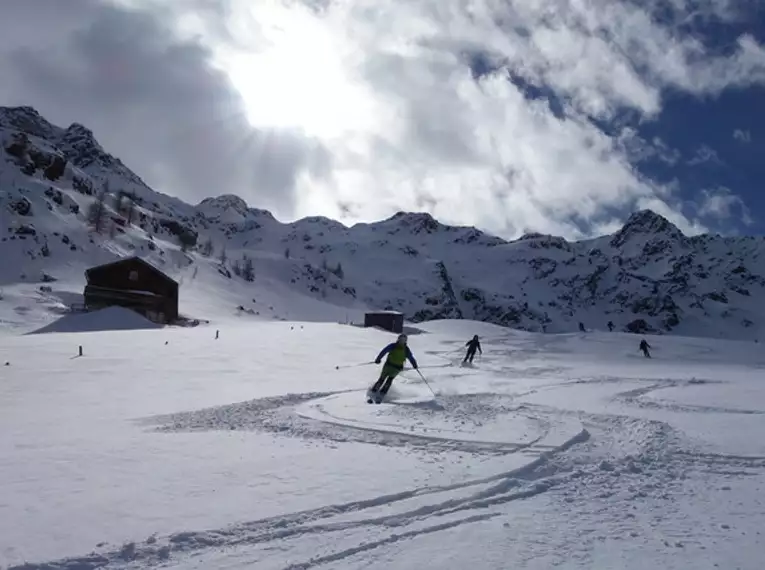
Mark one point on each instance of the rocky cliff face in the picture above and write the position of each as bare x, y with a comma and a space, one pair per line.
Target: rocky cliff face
66, 202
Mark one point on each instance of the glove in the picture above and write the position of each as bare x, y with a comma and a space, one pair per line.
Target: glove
415, 367
377, 361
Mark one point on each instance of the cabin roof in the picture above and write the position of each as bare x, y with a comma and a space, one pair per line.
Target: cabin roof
129, 261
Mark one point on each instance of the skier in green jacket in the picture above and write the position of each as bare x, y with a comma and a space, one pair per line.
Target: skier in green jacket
398, 352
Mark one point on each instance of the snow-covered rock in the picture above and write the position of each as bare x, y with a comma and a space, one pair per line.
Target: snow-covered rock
58, 186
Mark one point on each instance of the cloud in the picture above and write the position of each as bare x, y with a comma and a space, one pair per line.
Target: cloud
638, 149
703, 155
358, 109
721, 204
151, 98
743, 136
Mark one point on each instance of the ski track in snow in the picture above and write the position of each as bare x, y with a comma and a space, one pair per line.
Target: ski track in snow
279, 415
616, 458
527, 481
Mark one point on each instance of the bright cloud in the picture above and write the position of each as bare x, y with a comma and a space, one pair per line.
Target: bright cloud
743, 136
384, 88
386, 85
294, 75
721, 203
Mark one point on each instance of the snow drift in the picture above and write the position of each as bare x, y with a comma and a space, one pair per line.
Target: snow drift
108, 319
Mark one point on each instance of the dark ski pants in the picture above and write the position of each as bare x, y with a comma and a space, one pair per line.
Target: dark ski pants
646, 353
470, 355
386, 379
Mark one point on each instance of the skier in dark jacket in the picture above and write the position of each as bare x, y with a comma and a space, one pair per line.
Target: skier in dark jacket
644, 346
398, 353
472, 345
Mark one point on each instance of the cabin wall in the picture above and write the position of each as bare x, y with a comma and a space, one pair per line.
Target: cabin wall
392, 322
112, 285
134, 277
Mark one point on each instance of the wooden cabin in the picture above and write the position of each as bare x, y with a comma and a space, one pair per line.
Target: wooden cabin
392, 321
135, 284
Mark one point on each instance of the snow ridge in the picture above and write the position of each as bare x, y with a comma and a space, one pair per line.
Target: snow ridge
646, 278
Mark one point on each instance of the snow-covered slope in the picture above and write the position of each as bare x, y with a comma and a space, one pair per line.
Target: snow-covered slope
241, 261
168, 449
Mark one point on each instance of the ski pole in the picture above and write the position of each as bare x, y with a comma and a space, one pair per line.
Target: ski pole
354, 365
426, 382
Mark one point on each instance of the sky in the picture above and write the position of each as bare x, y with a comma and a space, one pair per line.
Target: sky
553, 116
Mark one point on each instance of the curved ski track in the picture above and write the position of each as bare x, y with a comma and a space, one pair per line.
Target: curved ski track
600, 469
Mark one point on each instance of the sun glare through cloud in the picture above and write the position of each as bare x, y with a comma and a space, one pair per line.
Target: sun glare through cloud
291, 74
510, 115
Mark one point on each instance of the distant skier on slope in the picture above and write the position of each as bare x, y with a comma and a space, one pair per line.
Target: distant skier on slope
472, 345
398, 352
644, 346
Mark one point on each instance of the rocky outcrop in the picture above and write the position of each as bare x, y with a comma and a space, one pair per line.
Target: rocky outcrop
443, 304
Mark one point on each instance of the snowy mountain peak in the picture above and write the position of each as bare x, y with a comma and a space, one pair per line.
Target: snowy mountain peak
219, 204
233, 212
77, 141
650, 221
81, 147
77, 133
66, 205
261, 213
544, 241
426, 227
320, 223
416, 222
27, 120
647, 223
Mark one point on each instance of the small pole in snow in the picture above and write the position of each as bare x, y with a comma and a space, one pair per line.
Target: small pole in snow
80, 352
7, 363
217, 334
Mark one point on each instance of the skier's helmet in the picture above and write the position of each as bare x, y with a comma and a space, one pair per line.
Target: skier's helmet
475, 337
401, 338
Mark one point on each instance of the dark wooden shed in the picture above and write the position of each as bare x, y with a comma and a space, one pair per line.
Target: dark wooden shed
392, 321
135, 284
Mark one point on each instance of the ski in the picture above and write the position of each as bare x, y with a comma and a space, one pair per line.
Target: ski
374, 398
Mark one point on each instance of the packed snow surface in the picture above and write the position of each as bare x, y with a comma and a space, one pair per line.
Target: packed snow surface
108, 319
257, 450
